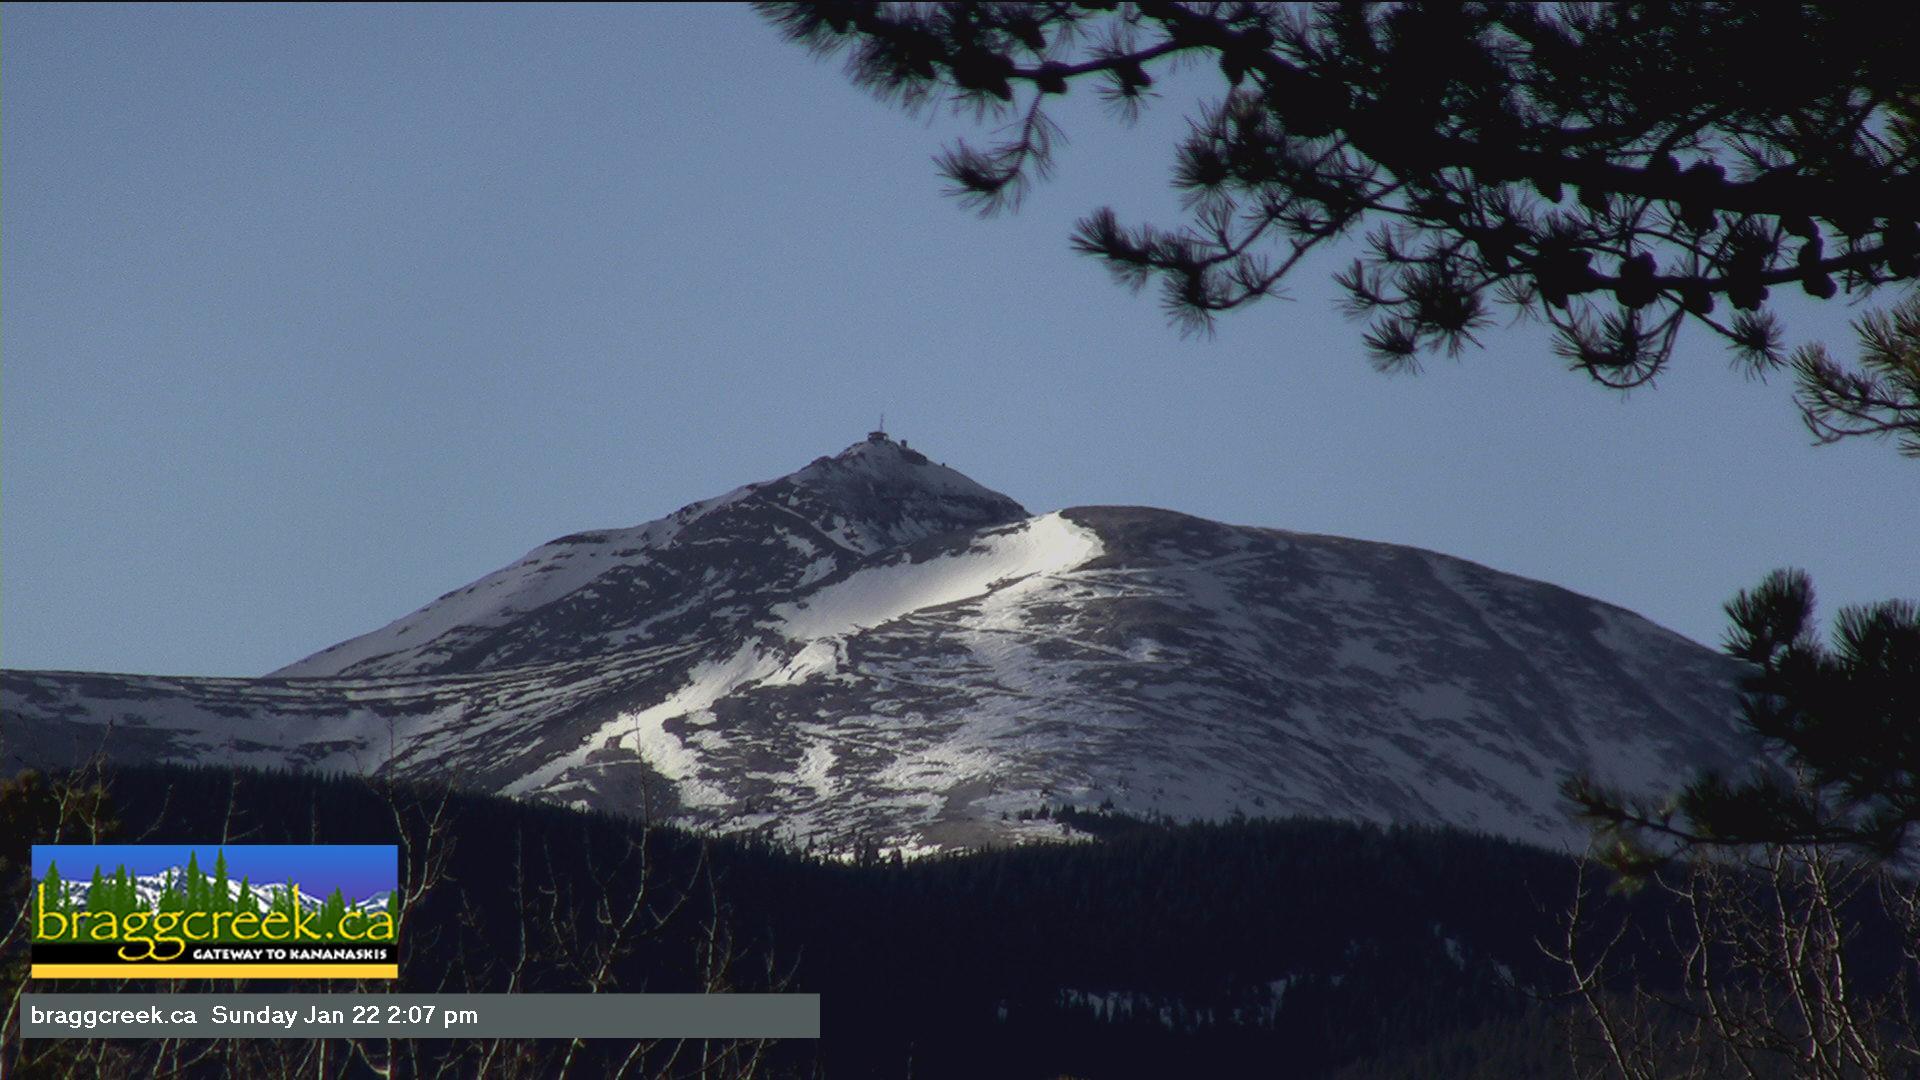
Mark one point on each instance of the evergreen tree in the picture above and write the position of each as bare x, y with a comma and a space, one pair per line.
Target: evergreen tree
222, 898
173, 895
1881, 396
283, 903
1844, 720
196, 884
52, 895
1621, 170
1814, 834
126, 892
332, 911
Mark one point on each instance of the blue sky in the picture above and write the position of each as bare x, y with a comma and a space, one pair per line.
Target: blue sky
315, 313
357, 870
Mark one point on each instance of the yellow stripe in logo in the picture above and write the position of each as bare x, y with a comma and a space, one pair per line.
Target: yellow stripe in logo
215, 971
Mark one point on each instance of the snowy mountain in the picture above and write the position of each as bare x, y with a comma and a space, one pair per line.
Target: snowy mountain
692, 573
150, 887
875, 647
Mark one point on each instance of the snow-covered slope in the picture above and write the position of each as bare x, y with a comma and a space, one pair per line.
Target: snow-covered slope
698, 571
877, 648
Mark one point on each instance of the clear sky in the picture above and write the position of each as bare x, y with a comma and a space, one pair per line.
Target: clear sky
312, 314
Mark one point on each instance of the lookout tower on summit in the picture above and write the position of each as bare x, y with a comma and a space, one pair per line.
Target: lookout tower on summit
879, 436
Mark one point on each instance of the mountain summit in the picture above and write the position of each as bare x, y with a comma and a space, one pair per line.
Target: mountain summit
876, 649
698, 572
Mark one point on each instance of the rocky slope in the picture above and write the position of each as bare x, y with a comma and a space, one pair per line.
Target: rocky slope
875, 647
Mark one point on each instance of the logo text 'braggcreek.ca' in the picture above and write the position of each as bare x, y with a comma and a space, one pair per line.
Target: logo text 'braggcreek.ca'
214, 911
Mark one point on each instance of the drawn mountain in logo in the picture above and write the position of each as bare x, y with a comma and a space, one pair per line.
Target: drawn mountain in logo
149, 888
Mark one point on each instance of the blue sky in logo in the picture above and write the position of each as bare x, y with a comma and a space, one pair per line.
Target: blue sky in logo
358, 870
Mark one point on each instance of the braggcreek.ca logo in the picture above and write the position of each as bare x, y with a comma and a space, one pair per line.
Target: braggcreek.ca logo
214, 911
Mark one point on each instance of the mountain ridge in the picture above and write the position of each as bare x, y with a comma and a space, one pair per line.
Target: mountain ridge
876, 647
875, 495
149, 888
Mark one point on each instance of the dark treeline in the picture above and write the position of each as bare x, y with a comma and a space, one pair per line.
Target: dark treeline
1287, 948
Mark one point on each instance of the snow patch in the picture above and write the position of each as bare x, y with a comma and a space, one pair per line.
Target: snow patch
645, 731
1049, 544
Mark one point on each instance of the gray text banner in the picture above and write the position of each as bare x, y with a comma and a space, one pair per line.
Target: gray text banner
418, 1016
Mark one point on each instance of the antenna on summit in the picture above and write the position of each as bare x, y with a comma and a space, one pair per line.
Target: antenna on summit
879, 434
